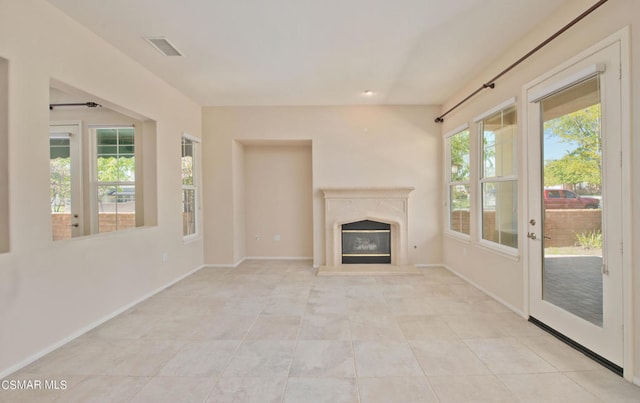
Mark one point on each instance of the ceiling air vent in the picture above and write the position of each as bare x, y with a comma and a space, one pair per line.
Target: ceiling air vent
163, 45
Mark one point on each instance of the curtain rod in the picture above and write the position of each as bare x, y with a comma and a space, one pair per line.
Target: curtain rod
87, 104
491, 83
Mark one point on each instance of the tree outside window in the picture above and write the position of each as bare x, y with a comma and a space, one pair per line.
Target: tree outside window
459, 182
115, 169
189, 187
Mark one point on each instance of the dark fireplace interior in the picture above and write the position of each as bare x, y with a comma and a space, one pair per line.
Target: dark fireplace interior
366, 242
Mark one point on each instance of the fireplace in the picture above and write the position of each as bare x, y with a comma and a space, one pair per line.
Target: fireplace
385, 212
366, 242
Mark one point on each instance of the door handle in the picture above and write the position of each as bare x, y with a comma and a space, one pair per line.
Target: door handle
75, 225
532, 235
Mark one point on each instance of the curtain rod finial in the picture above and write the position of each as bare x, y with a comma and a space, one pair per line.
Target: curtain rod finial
439, 119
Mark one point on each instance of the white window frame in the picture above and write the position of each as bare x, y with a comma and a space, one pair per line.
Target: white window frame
482, 179
95, 210
195, 187
448, 182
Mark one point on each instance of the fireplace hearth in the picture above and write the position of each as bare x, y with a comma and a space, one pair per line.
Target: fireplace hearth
366, 242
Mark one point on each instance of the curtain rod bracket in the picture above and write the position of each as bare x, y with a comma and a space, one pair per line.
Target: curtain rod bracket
489, 85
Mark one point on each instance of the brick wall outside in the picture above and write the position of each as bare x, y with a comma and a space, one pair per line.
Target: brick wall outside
460, 222
61, 223
561, 225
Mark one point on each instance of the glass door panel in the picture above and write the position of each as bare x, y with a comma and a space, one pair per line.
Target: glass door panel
65, 181
572, 200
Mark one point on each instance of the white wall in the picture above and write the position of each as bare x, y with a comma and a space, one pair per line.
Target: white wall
351, 147
239, 215
278, 201
504, 276
4, 156
49, 290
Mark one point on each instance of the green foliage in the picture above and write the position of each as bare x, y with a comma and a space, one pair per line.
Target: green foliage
582, 164
111, 169
590, 239
460, 151
187, 170
571, 170
60, 174
460, 197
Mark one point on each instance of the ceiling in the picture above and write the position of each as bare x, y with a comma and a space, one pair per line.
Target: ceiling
314, 52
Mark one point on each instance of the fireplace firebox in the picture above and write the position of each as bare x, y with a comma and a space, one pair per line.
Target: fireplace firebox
366, 242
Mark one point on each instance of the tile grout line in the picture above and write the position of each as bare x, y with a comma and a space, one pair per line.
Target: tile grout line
220, 375
295, 348
353, 352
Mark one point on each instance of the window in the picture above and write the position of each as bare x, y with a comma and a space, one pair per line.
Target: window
459, 174
115, 178
498, 176
189, 187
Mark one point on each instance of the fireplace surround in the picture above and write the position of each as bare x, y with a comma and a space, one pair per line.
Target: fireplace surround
386, 205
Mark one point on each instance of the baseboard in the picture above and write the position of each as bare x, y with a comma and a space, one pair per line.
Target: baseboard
428, 265
277, 258
239, 262
220, 266
489, 293
91, 326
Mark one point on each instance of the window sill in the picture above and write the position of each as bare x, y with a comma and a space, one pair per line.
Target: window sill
505, 251
191, 239
105, 235
458, 236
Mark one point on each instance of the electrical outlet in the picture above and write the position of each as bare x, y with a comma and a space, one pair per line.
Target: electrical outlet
276, 237
165, 257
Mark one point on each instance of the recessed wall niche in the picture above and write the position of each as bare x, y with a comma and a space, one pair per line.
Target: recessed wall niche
4, 155
102, 165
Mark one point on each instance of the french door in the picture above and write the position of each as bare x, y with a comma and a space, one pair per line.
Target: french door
65, 181
575, 246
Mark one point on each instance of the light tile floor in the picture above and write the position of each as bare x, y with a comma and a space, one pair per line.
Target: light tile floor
271, 331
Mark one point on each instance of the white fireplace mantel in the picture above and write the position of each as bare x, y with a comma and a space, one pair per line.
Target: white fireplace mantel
384, 204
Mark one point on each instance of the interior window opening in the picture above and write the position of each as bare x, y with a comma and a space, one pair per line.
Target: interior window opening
99, 180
